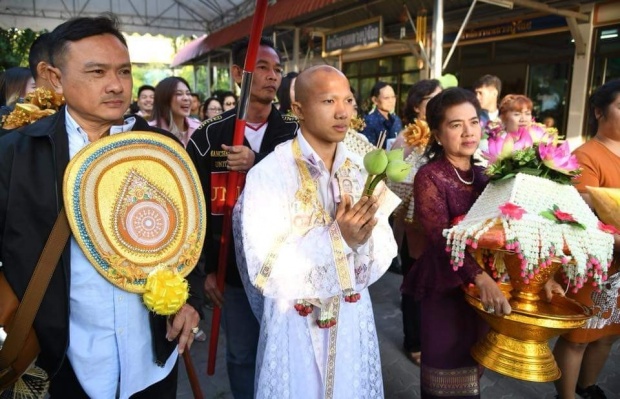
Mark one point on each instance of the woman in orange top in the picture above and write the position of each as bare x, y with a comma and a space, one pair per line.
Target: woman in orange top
581, 353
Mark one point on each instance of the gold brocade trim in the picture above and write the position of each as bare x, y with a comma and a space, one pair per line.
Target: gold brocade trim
340, 259
123, 272
307, 196
330, 374
265, 270
308, 193
450, 382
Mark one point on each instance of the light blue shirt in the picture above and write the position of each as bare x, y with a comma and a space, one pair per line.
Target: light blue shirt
110, 344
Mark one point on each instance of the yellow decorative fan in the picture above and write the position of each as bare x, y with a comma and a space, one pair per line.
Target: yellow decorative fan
136, 208
606, 203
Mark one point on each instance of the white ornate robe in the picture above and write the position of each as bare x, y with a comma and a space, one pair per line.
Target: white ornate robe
284, 254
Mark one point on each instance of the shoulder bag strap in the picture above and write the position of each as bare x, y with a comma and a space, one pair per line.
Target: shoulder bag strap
29, 305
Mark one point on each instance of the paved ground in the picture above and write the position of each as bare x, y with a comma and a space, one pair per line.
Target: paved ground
401, 377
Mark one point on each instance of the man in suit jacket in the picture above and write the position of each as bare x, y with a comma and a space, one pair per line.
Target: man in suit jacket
96, 340
214, 155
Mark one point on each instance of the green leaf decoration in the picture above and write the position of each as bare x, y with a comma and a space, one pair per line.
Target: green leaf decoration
548, 215
530, 171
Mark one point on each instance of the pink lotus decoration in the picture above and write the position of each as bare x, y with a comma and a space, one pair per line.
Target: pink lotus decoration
523, 138
533, 151
502, 145
499, 148
558, 157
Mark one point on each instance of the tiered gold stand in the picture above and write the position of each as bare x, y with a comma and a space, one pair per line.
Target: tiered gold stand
517, 345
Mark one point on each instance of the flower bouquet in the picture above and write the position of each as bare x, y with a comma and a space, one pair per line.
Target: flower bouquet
544, 219
528, 223
534, 151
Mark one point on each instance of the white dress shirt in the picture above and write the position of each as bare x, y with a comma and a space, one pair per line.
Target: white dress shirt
110, 344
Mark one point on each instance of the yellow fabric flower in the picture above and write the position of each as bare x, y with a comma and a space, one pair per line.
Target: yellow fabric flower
417, 134
357, 123
38, 104
166, 291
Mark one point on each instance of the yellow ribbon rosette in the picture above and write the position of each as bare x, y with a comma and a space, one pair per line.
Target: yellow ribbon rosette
136, 209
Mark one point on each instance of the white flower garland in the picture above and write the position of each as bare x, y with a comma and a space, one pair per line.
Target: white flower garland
536, 240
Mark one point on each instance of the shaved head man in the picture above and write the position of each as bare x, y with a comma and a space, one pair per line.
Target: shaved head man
310, 251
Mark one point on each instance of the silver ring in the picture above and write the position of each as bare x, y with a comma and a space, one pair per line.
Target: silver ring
195, 330
490, 309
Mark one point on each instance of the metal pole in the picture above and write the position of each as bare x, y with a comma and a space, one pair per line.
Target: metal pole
437, 39
415, 31
458, 35
233, 176
296, 50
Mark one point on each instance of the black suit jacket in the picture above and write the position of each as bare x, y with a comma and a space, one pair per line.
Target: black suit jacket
32, 165
205, 149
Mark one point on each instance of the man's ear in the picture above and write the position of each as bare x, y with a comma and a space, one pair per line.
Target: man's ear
237, 73
42, 70
297, 110
55, 78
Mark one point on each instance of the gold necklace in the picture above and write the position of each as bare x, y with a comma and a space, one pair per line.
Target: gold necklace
469, 183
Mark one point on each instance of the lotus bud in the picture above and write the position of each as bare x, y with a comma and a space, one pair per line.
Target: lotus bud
375, 162
397, 154
398, 170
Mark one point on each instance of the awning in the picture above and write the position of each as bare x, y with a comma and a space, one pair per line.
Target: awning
282, 11
190, 51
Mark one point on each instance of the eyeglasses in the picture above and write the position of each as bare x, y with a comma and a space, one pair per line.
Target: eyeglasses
228, 104
214, 109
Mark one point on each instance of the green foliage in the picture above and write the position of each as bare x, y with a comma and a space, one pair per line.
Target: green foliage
525, 161
151, 74
15, 46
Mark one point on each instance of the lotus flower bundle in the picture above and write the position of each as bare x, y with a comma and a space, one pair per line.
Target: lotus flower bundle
544, 218
533, 151
381, 165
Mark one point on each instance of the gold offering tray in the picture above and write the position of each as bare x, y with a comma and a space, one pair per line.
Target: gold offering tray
517, 345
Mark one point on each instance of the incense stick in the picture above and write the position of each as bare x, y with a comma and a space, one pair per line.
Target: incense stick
382, 137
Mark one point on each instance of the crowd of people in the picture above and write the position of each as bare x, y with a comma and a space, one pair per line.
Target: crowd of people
297, 314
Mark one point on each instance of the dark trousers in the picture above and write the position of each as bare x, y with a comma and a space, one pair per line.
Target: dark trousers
412, 318
66, 385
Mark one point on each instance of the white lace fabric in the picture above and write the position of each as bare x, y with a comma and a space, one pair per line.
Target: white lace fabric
293, 350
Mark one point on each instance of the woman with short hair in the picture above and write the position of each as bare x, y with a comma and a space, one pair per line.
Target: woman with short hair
515, 112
